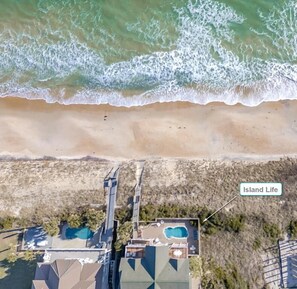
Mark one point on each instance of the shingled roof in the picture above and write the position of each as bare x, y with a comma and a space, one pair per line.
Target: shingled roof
67, 274
155, 271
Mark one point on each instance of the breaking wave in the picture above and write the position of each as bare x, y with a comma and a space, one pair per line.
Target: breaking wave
201, 51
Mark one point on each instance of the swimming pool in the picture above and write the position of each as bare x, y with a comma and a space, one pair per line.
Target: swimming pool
83, 233
176, 232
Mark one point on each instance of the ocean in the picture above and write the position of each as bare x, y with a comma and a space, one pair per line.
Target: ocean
133, 52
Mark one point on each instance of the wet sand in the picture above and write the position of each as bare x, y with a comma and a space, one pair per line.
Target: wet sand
33, 128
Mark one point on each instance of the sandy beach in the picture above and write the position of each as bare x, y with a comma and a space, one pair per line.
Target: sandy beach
37, 129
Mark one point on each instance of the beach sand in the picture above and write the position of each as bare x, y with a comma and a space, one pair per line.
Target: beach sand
33, 128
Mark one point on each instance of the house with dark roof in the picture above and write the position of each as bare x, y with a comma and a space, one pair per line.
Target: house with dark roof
68, 274
156, 269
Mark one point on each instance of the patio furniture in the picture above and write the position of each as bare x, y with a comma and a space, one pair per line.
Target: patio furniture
177, 253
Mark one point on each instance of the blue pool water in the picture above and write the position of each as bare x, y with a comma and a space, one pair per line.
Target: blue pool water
176, 232
81, 233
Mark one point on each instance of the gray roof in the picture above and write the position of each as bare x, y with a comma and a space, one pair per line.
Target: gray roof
155, 271
67, 274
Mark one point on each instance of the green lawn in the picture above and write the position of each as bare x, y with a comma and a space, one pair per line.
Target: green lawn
7, 240
18, 274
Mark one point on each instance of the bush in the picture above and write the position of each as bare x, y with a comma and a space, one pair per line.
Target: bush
214, 224
123, 215
51, 227
292, 229
94, 218
29, 255
235, 224
124, 234
211, 230
150, 212
75, 221
6, 223
271, 231
12, 257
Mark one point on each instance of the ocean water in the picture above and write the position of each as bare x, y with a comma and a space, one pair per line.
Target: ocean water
132, 52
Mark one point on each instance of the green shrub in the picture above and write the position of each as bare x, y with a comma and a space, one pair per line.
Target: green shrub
29, 255
6, 223
213, 224
75, 221
51, 227
271, 231
195, 267
124, 234
150, 212
123, 215
292, 229
235, 224
12, 257
211, 229
94, 218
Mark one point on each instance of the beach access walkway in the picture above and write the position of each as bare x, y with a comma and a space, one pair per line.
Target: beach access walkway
288, 263
110, 187
136, 199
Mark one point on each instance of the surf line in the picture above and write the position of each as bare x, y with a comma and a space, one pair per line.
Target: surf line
220, 209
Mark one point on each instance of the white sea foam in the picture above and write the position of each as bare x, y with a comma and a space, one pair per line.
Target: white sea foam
205, 56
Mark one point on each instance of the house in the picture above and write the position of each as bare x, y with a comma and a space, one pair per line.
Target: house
67, 274
155, 269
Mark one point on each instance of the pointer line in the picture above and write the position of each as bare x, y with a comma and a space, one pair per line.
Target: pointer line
220, 209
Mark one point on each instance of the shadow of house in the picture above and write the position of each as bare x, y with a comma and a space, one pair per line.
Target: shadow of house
19, 274
34, 237
291, 272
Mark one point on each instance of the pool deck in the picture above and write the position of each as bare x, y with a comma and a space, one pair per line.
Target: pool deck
58, 242
62, 242
153, 231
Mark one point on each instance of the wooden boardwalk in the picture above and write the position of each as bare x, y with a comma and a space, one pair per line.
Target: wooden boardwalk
288, 263
136, 199
110, 187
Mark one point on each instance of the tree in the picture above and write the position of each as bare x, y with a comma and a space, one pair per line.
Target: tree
51, 227
124, 234
75, 221
94, 218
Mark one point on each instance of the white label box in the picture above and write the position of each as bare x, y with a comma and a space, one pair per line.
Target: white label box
261, 189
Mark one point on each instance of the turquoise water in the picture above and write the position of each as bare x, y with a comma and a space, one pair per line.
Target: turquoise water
176, 232
131, 52
81, 233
